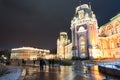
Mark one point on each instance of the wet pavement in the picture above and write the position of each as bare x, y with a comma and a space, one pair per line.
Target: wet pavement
64, 73
52, 73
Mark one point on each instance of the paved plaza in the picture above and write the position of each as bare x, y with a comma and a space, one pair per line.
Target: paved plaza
74, 72
52, 73
63, 73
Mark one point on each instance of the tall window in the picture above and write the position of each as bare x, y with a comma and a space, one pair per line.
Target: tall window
82, 46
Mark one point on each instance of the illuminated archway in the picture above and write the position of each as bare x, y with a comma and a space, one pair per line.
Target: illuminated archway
82, 46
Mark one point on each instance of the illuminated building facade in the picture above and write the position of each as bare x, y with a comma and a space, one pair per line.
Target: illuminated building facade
28, 53
84, 31
109, 38
63, 46
89, 42
68, 51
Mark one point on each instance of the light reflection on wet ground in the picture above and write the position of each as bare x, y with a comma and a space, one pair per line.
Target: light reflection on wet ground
52, 73
65, 73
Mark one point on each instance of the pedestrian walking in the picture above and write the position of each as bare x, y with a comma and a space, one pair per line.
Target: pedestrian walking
42, 63
18, 61
23, 62
59, 64
52, 61
49, 62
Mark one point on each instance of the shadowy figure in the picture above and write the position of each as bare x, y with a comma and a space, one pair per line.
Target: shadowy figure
18, 61
59, 64
42, 63
23, 62
8, 62
33, 62
49, 62
52, 62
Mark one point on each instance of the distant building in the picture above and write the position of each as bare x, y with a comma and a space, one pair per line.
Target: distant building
63, 46
28, 53
68, 51
89, 42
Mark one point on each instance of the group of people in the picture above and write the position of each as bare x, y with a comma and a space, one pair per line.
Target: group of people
42, 62
51, 62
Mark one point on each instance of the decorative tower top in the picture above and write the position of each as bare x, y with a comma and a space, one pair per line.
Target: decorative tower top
84, 11
63, 36
83, 14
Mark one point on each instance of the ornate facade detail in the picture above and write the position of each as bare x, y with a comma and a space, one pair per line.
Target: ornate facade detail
84, 31
90, 42
109, 43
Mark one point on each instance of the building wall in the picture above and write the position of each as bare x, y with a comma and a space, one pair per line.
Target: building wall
84, 31
109, 38
68, 51
62, 41
28, 53
88, 40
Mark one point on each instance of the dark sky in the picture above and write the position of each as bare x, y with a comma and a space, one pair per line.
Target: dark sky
37, 23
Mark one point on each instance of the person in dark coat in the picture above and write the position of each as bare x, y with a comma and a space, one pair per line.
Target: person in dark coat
23, 62
59, 64
18, 62
50, 62
42, 63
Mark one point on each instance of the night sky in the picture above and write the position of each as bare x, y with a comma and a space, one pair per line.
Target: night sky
37, 23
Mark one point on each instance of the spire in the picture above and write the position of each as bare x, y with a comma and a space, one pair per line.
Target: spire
80, 2
91, 10
90, 6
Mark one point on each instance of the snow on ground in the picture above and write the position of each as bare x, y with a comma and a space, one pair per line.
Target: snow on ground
14, 74
111, 65
102, 63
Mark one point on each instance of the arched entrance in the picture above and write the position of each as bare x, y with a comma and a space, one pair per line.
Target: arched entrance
82, 46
